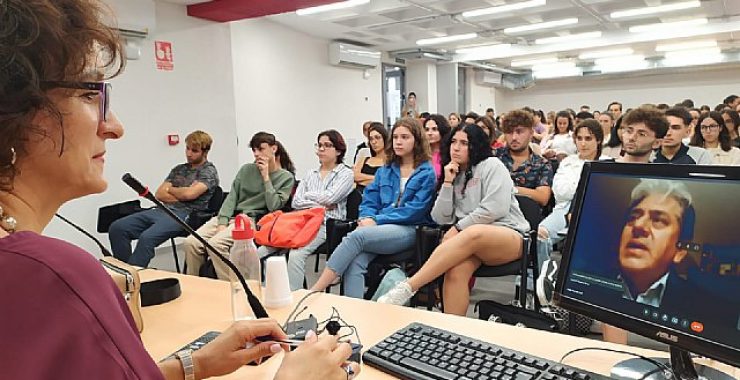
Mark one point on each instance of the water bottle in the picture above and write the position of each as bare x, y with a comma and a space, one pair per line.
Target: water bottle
244, 256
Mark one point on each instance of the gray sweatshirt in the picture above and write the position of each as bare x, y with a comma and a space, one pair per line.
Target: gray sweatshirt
489, 199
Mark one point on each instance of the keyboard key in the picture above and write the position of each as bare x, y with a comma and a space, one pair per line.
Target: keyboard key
395, 358
428, 369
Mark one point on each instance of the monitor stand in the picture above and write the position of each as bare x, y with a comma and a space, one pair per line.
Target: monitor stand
680, 361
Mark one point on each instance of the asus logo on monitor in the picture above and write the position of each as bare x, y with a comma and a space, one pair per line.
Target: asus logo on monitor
665, 335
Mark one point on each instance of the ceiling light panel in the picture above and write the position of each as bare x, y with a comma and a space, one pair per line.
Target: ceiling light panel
568, 38
445, 39
541, 26
668, 26
605, 53
533, 62
504, 8
330, 7
697, 44
656, 9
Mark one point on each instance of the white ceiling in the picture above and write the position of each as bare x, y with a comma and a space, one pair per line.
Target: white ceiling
396, 25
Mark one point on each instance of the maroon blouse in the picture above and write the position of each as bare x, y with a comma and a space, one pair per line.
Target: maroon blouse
62, 317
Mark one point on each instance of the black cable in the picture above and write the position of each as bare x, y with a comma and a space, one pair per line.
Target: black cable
660, 366
287, 320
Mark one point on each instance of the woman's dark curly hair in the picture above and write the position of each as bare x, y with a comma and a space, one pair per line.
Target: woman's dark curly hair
43, 41
478, 150
443, 126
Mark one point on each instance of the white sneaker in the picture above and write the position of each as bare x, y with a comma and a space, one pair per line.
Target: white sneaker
546, 282
398, 295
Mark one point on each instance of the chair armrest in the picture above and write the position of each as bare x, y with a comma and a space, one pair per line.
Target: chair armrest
336, 230
427, 239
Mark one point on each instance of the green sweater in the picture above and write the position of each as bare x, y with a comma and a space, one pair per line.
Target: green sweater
252, 196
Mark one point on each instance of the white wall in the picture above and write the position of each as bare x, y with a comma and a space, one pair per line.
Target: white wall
198, 94
284, 84
478, 98
701, 85
421, 79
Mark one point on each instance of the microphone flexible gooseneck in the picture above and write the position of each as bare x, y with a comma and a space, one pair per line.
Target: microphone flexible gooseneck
104, 250
143, 191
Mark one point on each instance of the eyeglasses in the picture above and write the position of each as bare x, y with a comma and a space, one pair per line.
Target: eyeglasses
707, 128
104, 88
326, 145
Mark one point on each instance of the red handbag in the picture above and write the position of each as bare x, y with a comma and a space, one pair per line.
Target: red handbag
293, 229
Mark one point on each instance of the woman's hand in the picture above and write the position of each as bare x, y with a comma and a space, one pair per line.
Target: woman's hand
318, 358
228, 351
366, 222
451, 171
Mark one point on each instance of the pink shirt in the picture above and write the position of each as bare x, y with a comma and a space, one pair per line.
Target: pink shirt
63, 317
437, 163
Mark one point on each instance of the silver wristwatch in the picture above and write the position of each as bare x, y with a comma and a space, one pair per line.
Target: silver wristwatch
186, 358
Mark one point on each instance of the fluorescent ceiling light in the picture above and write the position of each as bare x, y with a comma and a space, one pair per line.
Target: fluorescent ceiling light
693, 53
558, 73
657, 9
330, 7
533, 62
541, 25
698, 44
631, 66
667, 26
503, 8
554, 66
568, 38
605, 53
484, 49
445, 39
620, 61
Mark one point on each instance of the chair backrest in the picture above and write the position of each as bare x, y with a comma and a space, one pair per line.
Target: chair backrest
531, 210
353, 204
217, 199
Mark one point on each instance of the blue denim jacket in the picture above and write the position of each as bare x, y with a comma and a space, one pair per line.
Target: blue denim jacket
384, 202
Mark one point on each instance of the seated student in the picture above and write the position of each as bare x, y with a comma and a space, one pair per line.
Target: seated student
732, 121
398, 199
259, 188
477, 196
672, 150
560, 143
436, 129
643, 130
589, 138
364, 170
326, 186
532, 174
712, 135
453, 119
363, 150
187, 188
613, 143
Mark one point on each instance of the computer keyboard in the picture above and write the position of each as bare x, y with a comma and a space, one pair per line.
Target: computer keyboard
419, 351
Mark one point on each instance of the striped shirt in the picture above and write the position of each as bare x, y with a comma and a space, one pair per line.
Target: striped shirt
332, 190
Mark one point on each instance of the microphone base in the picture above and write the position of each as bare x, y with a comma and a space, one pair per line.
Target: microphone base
297, 329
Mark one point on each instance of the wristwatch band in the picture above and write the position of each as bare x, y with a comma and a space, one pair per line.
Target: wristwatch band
186, 358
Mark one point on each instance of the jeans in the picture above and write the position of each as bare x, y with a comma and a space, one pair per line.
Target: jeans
297, 258
553, 223
151, 227
353, 255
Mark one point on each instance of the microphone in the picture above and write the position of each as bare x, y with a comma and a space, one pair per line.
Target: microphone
104, 250
143, 191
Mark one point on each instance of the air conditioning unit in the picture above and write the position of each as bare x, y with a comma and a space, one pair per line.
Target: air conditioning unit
344, 54
487, 78
135, 19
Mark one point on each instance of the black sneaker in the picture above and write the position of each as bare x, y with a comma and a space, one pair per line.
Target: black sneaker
546, 281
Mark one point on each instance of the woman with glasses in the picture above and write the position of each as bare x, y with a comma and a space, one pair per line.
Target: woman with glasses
64, 317
732, 121
326, 186
364, 171
712, 135
393, 205
477, 197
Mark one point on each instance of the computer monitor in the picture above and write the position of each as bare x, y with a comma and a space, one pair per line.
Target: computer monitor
655, 249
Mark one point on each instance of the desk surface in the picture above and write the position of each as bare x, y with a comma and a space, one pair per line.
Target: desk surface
205, 305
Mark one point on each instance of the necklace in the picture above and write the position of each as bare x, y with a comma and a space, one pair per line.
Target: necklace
8, 222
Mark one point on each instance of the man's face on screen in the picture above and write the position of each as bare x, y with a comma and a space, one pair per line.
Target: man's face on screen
648, 243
